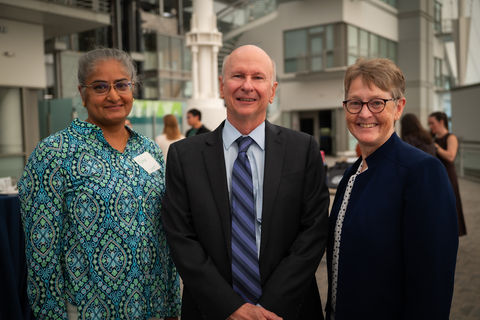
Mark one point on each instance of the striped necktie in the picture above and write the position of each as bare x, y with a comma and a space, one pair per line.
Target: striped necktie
245, 270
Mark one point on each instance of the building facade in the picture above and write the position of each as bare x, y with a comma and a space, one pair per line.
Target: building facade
28, 29
314, 41
311, 41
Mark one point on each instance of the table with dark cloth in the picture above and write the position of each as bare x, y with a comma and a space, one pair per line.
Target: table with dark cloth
13, 266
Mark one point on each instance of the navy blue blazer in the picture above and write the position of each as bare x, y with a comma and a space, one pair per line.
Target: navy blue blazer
399, 238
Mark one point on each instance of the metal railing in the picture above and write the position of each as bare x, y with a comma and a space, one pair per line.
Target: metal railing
242, 12
94, 5
468, 159
445, 26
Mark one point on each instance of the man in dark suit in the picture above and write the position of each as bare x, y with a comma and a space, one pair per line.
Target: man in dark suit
290, 206
194, 119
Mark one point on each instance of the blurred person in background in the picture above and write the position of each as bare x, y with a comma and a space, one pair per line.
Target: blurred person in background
194, 119
447, 148
171, 133
91, 197
414, 134
393, 237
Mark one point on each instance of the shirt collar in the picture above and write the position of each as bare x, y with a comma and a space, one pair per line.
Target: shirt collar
230, 134
91, 130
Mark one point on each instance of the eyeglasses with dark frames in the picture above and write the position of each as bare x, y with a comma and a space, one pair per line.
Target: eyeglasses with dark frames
376, 105
101, 88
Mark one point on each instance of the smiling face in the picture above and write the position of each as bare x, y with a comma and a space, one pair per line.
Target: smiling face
372, 129
112, 108
247, 86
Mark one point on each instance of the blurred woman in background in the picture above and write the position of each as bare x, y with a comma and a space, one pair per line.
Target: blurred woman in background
414, 134
171, 134
447, 148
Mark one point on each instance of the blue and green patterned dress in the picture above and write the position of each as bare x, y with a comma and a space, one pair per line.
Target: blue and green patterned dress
94, 236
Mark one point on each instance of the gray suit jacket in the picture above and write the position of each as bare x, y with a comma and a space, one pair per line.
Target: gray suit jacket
197, 220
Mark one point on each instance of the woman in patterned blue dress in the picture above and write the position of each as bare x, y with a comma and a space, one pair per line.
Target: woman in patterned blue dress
393, 239
91, 197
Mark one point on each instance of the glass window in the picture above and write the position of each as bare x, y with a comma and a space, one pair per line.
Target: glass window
11, 137
330, 37
176, 53
12, 167
392, 51
319, 29
168, 55
177, 88
383, 47
163, 51
165, 88
352, 35
363, 44
11, 133
187, 58
438, 72
150, 53
437, 16
188, 89
373, 46
330, 46
151, 88
393, 3
316, 50
295, 50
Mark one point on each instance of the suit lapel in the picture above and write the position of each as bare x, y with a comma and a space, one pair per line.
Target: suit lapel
274, 155
215, 165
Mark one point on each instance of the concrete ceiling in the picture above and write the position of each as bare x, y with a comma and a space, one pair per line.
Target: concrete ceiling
57, 20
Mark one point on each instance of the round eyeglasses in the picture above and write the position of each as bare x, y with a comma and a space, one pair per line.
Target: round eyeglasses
101, 88
376, 105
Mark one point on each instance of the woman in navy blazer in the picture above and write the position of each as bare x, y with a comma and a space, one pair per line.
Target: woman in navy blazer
393, 228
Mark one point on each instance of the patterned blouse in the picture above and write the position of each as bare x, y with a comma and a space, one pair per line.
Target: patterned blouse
94, 236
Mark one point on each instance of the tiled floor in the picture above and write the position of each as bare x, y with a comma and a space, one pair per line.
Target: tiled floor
466, 297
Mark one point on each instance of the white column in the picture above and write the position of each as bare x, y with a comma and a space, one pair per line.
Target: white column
204, 40
195, 72
461, 37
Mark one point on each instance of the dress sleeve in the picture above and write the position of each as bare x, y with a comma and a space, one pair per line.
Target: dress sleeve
430, 241
41, 192
172, 285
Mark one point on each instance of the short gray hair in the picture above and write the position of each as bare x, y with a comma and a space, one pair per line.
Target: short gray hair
379, 71
274, 70
88, 63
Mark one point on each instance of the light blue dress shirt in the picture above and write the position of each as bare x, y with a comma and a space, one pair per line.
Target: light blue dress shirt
256, 156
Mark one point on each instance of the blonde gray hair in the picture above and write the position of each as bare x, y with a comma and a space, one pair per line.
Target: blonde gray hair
381, 72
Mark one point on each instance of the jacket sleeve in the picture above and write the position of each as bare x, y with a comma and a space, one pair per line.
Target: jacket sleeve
290, 281
430, 241
213, 294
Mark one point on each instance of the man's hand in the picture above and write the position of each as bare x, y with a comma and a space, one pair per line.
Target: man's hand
250, 312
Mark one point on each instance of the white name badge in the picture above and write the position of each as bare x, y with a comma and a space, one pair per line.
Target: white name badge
147, 162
